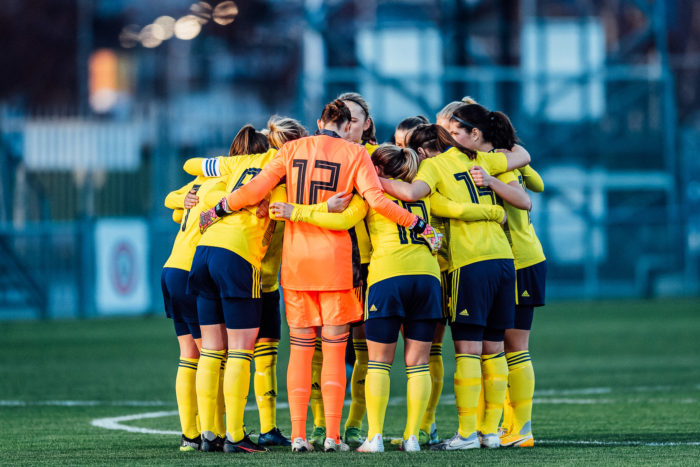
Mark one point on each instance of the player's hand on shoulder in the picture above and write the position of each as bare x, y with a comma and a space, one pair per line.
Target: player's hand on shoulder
480, 176
339, 202
191, 199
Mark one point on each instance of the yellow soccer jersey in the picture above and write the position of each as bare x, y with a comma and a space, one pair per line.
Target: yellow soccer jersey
188, 235
273, 259
398, 251
448, 174
217, 166
370, 147
527, 249
242, 232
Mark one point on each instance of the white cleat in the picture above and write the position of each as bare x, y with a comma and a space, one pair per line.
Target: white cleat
410, 445
375, 444
331, 446
301, 445
457, 443
490, 441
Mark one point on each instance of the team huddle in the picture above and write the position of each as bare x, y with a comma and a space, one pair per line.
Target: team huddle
367, 242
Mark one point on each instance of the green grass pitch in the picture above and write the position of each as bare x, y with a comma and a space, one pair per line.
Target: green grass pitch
617, 383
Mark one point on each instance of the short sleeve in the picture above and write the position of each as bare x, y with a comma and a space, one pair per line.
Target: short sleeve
497, 163
428, 173
507, 177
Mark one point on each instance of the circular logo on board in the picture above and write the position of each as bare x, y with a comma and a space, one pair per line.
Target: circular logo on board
123, 268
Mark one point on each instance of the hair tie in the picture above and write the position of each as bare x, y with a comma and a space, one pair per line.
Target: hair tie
491, 116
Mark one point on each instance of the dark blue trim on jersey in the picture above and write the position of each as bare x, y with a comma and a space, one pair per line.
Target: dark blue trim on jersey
330, 133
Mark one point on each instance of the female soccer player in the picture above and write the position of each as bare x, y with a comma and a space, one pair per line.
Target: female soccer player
361, 132
225, 277
476, 127
405, 127
444, 116
182, 307
279, 130
479, 254
320, 268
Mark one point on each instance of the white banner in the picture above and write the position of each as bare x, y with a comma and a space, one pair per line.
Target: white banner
121, 247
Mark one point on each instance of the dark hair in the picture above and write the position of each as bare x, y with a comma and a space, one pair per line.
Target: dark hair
495, 126
396, 162
368, 135
336, 112
433, 137
248, 141
412, 122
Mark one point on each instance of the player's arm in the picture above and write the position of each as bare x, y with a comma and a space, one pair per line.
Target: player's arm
511, 192
442, 206
319, 214
533, 180
506, 160
206, 166
178, 214
176, 199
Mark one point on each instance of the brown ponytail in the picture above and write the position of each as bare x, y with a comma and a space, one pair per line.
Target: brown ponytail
336, 112
435, 138
396, 162
248, 141
495, 126
282, 129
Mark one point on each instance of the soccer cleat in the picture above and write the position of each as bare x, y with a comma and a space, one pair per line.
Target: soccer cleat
273, 437
410, 444
519, 439
352, 436
490, 440
375, 444
301, 445
245, 445
423, 437
214, 445
331, 446
457, 443
190, 444
434, 438
318, 436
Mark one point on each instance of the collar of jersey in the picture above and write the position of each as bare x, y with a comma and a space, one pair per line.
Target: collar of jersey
330, 133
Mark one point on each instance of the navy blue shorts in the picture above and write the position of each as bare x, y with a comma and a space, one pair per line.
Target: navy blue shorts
221, 273
531, 284
185, 329
386, 330
483, 294
446, 292
415, 297
236, 313
270, 321
178, 304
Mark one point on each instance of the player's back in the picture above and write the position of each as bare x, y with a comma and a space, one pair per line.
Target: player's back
317, 167
398, 251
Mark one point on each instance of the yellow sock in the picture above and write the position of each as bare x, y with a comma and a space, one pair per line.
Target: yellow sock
377, 396
207, 383
186, 394
316, 400
265, 384
357, 385
480, 407
521, 389
507, 422
236, 385
437, 374
495, 374
467, 389
417, 396
220, 417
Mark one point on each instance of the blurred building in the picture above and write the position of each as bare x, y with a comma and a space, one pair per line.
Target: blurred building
107, 98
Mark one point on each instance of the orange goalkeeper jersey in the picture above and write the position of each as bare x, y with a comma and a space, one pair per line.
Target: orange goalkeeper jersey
317, 167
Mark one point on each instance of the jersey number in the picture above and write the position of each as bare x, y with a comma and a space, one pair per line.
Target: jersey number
184, 221
315, 186
403, 233
474, 191
253, 171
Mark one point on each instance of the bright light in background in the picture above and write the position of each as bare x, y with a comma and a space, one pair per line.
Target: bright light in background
202, 10
103, 80
166, 27
129, 36
187, 27
149, 36
225, 13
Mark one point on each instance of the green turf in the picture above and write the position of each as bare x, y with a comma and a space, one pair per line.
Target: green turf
621, 373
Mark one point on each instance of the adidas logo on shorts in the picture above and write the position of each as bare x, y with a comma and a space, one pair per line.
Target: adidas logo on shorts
525, 294
373, 308
464, 312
